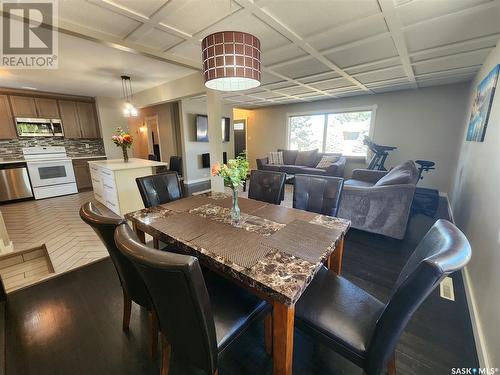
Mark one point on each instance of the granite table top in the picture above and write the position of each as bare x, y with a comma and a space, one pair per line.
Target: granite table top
279, 274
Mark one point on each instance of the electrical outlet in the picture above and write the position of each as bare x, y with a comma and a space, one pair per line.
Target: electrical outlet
87, 145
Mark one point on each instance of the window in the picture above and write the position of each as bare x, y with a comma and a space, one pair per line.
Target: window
340, 132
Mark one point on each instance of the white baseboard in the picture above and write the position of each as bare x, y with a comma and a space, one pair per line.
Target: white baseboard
477, 329
197, 180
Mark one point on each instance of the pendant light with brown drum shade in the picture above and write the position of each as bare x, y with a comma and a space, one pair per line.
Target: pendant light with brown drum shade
231, 61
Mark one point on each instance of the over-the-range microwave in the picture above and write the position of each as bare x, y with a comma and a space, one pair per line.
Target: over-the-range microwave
39, 127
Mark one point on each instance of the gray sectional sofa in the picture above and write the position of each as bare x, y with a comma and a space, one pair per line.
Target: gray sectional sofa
304, 162
380, 202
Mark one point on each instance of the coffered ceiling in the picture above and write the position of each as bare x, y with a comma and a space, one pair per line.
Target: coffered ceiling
312, 49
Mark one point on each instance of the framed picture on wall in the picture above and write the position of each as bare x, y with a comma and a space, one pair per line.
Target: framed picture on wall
481, 106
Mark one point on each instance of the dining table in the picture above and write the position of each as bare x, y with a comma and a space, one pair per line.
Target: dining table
273, 251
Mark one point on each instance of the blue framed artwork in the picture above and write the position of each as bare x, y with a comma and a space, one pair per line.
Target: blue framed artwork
481, 106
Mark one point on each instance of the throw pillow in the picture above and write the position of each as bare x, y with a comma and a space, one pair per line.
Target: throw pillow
275, 158
402, 174
289, 156
327, 161
306, 158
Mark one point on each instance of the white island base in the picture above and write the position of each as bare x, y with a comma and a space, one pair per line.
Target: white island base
114, 182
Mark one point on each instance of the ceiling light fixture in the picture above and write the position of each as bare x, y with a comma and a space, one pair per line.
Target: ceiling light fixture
231, 61
128, 110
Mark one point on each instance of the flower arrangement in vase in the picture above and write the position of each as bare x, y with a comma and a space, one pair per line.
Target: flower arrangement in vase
124, 140
233, 173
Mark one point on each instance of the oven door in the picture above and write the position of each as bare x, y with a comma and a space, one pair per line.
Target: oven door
53, 172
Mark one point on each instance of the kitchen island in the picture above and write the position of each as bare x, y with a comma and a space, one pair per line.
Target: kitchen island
114, 183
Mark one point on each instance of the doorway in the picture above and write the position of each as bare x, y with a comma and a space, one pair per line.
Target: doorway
240, 137
153, 137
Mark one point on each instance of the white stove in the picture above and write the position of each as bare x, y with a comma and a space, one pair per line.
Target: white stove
50, 170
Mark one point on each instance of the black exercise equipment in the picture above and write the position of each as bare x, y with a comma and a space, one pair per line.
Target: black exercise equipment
380, 154
424, 166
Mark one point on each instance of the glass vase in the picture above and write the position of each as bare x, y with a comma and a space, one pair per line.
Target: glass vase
235, 210
125, 153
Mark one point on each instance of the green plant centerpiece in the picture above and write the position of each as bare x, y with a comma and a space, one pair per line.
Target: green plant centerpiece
234, 173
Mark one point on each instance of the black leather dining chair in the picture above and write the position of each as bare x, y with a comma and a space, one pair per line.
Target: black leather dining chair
320, 194
175, 164
199, 315
267, 186
133, 287
159, 188
344, 317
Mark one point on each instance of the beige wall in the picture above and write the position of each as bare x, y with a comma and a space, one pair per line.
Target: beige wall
423, 124
110, 115
477, 212
192, 149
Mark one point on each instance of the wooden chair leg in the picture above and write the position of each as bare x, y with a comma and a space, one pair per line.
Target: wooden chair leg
391, 365
153, 332
127, 308
268, 333
156, 243
165, 355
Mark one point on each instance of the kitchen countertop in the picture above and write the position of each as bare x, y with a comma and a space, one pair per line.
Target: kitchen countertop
11, 161
133, 163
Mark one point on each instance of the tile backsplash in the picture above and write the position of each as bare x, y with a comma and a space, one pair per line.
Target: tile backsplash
11, 149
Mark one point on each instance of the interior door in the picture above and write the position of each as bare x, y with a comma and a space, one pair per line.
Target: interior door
240, 141
153, 136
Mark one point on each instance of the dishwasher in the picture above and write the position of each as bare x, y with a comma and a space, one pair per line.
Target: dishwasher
14, 182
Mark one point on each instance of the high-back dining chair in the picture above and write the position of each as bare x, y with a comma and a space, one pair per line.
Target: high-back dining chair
175, 164
320, 194
133, 287
267, 186
360, 327
199, 315
159, 188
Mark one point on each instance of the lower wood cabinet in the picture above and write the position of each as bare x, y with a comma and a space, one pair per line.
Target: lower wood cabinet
82, 173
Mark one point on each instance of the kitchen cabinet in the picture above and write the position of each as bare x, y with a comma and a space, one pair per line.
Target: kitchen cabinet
87, 119
114, 183
23, 106
69, 117
47, 108
82, 173
7, 126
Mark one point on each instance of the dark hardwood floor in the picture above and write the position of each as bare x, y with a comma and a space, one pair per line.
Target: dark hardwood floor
72, 324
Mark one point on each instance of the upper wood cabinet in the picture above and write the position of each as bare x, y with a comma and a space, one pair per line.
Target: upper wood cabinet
47, 108
87, 119
7, 126
69, 117
23, 106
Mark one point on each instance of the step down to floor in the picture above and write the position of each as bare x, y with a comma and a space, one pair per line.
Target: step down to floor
23, 268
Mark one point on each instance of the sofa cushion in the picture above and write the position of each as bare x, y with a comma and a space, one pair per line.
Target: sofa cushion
326, 161
306, 158
289, 156
404, 173
275, 158
358, 183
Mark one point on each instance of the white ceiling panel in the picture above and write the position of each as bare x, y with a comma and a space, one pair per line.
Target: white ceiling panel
144, 7
382, 75
361, 54
94, 17
453, 28
157, 39
319, 77
419, 10
302, 68
285, 53
336, 36
373, 65
189, 50
267, 79
298, 90
392, 87
195, 15
446, 80
483, 43
457, 61
321, 15
332, 84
